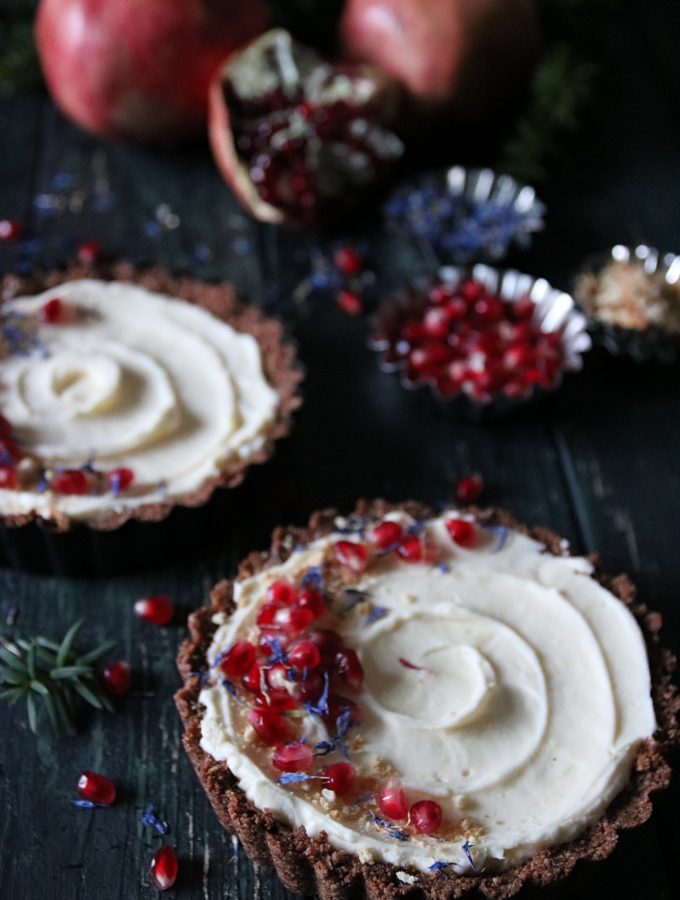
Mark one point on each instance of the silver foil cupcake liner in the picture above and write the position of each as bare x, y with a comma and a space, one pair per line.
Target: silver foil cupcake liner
553, 310
464, 215
654, 343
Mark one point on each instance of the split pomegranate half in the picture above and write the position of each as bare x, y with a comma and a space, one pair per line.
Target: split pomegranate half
298, 138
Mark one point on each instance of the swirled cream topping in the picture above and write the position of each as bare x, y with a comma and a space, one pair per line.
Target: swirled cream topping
501, 681
128, 378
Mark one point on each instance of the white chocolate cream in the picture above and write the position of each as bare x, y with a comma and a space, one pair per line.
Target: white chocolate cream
522, 720
137, 380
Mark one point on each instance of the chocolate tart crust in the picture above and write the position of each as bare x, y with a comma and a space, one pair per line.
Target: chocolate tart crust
279, 362
311, 865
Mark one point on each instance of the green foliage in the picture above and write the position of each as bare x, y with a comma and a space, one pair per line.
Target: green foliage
560, 88
39, 669
18, 60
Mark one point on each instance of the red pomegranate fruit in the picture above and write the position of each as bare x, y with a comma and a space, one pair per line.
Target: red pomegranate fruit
468, 54
140, 71
297, 137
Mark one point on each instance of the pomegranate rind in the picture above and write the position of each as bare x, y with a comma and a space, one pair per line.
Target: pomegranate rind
140, 72
247, 68
468, 55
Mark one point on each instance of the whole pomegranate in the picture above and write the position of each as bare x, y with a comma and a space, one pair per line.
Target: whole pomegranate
140, 69
297, 138
468, 54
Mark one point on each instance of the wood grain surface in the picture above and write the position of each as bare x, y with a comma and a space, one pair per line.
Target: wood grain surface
600, 462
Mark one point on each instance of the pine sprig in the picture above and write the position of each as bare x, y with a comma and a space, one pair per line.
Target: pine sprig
560, 88
37, 668
18, 58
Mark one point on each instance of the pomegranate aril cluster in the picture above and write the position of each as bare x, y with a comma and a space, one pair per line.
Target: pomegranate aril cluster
465, 339
286, 669
386, 537
293, 665
424, 816
64, 481
300, 151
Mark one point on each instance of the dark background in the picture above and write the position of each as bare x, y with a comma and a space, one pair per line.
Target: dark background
598, 462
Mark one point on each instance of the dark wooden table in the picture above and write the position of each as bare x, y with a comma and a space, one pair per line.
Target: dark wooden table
599, 463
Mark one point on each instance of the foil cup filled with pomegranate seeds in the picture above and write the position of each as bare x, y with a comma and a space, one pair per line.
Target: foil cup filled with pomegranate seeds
483, 340
631, 296
465, 215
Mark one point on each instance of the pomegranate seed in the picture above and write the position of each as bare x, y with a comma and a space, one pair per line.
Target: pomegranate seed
469, 490
518, 355
352, 555
311, 599
238, 659
471, 290
10, 451
157, 608
293, 620
387, 534
426, 816
489, 309
88, 251
117, 678
462, 532
120, 479
281, 592
392, 800
164, 867
5, 427
294, 757
269, 639
55, 312
252, 680
311, 687
339, 778
267, 614
71, 481
10, 230
278, 700
305, 655
349, 668
411, 549
8, 477
456, 309
440, 293
96, 788
523, 309
423, 359
350, 302
413, 332
516, 389
348, 260
277, 677
328, 642
436, 323
269, 726
337, 704
522, 332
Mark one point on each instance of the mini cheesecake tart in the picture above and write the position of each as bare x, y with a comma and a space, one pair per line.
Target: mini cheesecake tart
389, 701
124, 393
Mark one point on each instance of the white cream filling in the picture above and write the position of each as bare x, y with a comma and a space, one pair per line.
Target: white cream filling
139, 380
533, 699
